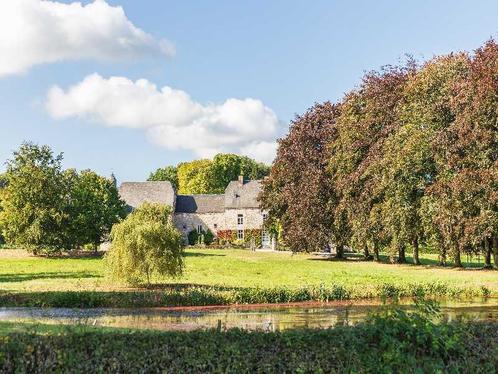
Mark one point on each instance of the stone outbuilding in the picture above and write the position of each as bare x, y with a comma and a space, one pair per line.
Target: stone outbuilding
235, 213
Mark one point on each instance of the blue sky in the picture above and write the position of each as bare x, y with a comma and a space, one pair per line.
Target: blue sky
285, 55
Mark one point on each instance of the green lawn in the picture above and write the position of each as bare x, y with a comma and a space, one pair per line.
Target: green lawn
234, 268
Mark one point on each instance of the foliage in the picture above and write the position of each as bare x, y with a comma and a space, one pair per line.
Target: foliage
35, 203
194, 177
213, 176
251, 237
46, 208
227, 167
298, 191
146, 243
95, 207
226, 236
193, 237
394, 342
168, 173
208, 237
412, 159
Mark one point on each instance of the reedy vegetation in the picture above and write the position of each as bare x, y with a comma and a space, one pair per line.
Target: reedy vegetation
408, 158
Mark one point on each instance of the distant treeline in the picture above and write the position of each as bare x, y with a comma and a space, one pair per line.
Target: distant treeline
408, 158
210, 176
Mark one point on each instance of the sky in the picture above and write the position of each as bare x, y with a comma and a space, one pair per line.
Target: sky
126, 86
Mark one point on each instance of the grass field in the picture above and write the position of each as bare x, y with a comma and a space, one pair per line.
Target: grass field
233, 268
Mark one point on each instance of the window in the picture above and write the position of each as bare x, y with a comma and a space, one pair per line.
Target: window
240, 219
215, 225
265, 216
240, 234
199, 229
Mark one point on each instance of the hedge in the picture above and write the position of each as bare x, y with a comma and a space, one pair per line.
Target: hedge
389, 344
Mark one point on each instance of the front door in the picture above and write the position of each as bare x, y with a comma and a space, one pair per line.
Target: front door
265, 239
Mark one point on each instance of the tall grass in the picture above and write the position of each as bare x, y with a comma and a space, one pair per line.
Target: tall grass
216, 295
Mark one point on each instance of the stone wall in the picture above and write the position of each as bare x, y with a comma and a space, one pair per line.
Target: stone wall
186, 222
253, 218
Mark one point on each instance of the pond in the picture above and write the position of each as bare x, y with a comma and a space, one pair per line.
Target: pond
252, 317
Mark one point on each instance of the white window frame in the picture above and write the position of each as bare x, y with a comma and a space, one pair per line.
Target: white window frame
199, 229
240, 234
240, 219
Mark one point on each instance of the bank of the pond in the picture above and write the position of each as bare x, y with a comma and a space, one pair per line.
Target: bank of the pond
192, 295
394, 342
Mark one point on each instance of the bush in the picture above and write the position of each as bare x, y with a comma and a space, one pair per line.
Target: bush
144, 244
390, 343
193, 237
208, 237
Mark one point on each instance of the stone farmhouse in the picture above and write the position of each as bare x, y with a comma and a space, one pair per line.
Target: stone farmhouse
236, 212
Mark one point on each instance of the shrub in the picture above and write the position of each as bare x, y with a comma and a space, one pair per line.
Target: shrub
226, 236
144, 244
208, 237
392, 343
193, 237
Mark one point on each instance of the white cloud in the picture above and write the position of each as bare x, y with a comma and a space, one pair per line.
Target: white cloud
263, 151
170, 117
34, 32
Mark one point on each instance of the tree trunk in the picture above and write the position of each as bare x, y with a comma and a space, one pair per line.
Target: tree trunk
442, 256
339, 249
366, 253
416, 260
376, 252
487, 254
401, 255
457, 258
495, 252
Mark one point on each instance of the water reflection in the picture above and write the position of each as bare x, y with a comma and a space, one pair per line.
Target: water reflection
268, 318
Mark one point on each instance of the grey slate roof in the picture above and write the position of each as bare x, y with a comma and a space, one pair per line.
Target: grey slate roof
136, 193
242, 195
200, 204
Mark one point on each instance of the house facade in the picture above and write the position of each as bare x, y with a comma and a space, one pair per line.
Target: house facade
235, 213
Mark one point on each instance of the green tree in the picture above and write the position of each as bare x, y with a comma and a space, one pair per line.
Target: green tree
144, 245
3, 184
408, 167
368, 117
168, 173
195, 177
35, 202
213, 176
227, 167
95, 207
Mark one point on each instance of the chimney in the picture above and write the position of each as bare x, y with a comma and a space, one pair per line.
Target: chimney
241, 179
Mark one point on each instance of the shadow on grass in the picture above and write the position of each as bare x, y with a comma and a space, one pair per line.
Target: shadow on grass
77, 255
385, 259
198, 254
22, 277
